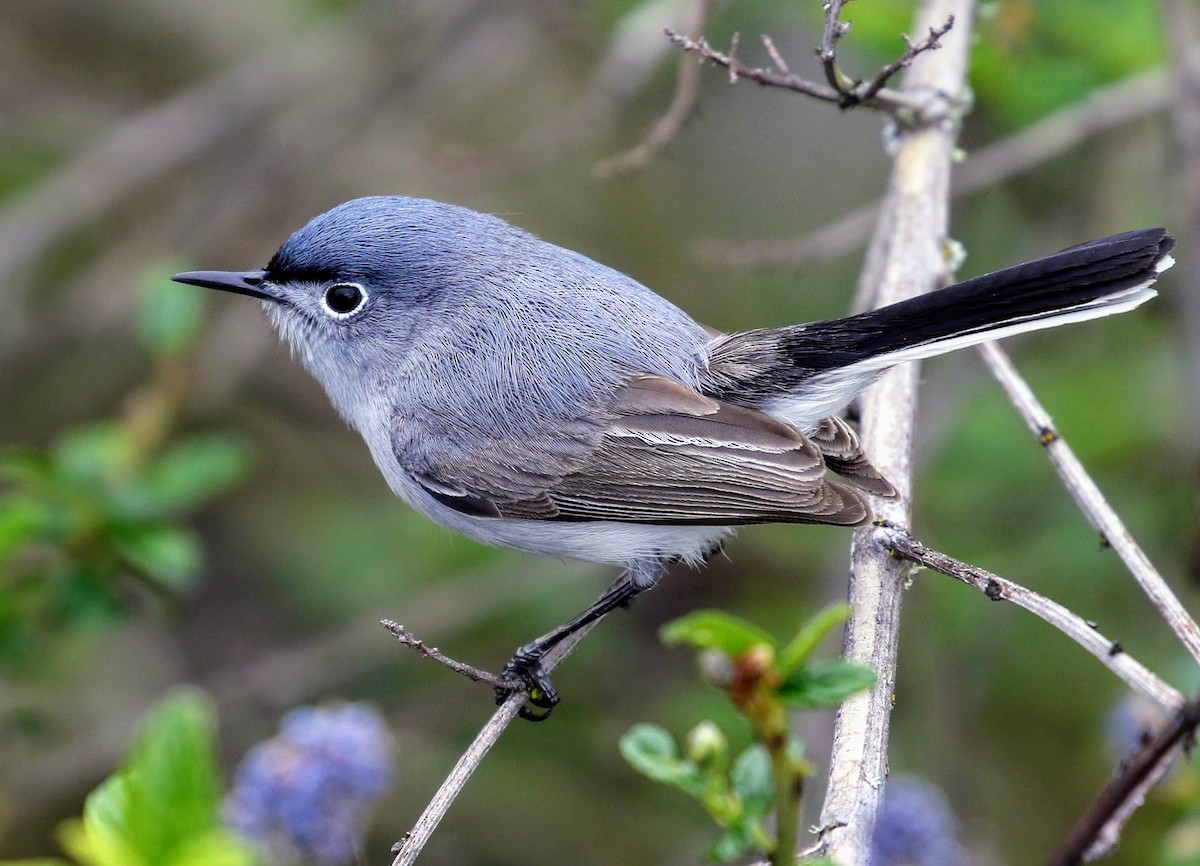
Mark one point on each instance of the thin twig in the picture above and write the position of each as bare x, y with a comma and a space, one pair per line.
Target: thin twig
687, 89
409, 848
1091, 501
835, 29
1128, 784
1109, 834
844, 92
1134, 674
914, 50
410, 640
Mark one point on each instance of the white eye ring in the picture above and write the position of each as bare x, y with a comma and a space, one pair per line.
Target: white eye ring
343, 300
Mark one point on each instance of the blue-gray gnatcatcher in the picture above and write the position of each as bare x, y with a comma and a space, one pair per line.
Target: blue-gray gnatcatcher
529, 397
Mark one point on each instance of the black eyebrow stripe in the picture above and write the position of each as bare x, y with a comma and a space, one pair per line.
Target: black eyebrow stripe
277, 274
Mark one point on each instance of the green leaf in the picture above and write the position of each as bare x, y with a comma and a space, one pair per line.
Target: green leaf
91, 455
736, 842
811, 633
714, 629
651, 750
22, 520
161, 808
25, 466
752, 781
172, 778
824, 684
104, 836
168, 554
170, 315
188, 475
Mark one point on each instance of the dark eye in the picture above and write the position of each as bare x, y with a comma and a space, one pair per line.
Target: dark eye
343, 299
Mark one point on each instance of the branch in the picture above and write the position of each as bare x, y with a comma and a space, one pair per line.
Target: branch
905, 259
1125, 791
1183, 30
409, 848
410, 640
1110, 653
687, 90
840, 89
1091, 501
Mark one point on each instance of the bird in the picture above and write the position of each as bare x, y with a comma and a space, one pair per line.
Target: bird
529, 397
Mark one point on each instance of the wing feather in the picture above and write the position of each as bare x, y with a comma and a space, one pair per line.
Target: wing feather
666, 454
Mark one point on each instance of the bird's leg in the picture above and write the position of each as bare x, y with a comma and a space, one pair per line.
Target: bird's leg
526, 665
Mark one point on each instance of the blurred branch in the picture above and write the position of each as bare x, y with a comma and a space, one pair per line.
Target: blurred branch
906, 259
143, 147
630, 58
687, 89
1110, 653
841, 89
1124, 793
1105, 108
1091, 501
1183, 31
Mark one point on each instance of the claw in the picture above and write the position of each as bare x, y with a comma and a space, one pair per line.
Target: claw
525, 672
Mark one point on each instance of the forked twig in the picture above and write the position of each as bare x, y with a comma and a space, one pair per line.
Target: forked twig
839, 88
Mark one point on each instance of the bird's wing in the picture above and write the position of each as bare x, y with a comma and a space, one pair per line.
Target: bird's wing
665, 455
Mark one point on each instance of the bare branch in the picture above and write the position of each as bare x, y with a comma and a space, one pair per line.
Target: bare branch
834, 30
1135, 675
737, 69
915, 49
905, 259
410, 640
409, 848
1129, 785
1091, 501
687, 89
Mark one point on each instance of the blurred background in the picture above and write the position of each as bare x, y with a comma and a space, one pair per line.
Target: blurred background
180, 504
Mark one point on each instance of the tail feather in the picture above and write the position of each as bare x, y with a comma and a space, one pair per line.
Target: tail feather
805, 373
1095, 279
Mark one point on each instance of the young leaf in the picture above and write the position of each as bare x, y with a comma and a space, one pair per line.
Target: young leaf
752, 781
824, 684
737, 841
192, 472
104, 836
715, 630
165, 553
801, 646
651, 751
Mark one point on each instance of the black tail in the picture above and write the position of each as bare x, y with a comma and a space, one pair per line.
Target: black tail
1095, 279
804, 373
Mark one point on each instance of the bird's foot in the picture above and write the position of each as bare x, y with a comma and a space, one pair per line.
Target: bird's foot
524, 670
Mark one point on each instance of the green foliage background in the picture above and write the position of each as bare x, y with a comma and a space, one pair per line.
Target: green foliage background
246, 543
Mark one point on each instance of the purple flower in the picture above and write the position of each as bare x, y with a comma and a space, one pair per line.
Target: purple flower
306, 793
915, 827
